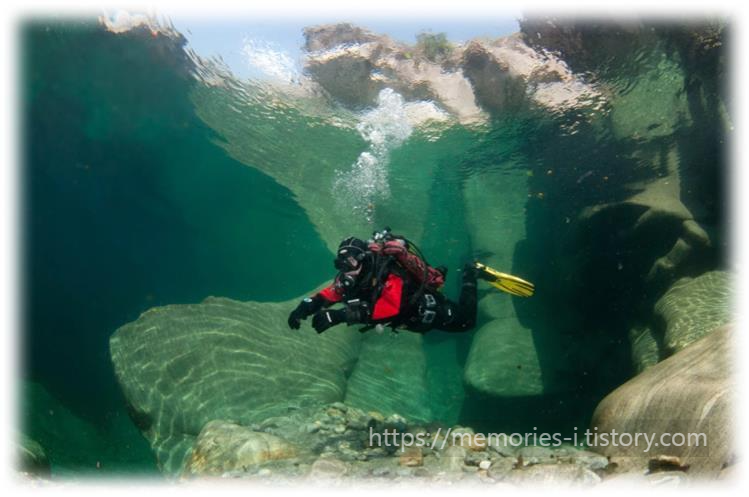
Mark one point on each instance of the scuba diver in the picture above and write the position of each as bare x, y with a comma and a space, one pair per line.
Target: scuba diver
387, 281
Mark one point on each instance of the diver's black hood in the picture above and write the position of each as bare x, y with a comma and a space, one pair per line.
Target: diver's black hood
351, 253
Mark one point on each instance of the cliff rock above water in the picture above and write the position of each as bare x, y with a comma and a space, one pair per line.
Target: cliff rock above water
469, 81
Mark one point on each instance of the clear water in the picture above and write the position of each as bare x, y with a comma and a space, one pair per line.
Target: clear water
149, 181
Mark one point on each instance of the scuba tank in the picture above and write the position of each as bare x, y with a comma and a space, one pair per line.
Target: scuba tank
410, 258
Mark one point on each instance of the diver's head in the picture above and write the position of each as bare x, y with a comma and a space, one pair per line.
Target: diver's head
351, 254
350, 260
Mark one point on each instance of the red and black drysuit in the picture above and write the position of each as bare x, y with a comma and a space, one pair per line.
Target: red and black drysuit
398, 297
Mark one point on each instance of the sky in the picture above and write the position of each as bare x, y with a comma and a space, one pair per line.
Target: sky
282, 37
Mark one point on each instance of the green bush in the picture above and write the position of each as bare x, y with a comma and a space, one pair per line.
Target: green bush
435, 47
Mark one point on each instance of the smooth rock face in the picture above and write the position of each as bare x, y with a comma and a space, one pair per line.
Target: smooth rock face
689, 393
516, 374
390, 376
223, 446
646, 349
182, 366
693, 307
502, 342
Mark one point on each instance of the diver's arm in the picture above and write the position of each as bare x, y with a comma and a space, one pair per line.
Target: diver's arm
310, 305
328, 318
354, 312
306, 308
331, 294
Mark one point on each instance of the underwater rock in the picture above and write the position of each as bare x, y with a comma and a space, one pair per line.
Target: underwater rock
501, 468
663, 463
591, 460
223, 446
390, 376
181, 366
505, 356
466, 438
480, 459
32, 460
693, 307
282, 449
654, 213
689, 393
517, 373
554, 475
536, 455
328, 468
411, 456
452, 459
501, 344
646, 350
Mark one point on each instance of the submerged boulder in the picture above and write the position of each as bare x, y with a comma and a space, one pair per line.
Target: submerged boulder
690, 309
181, 366
390, 376
660, 239
690, 394
507, 355
223, 446
646, 347
503, 360
694, 307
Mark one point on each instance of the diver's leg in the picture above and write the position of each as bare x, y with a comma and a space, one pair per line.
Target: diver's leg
468, 300
460, 317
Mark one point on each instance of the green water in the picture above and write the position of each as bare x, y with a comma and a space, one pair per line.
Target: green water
145, 185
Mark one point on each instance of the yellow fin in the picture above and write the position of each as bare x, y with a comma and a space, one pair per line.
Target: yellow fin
505, 282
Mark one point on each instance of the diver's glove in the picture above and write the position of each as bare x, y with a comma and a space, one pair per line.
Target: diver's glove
327, 318
306, 307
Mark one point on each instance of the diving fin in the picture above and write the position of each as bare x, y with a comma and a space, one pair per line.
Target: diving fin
505, 282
